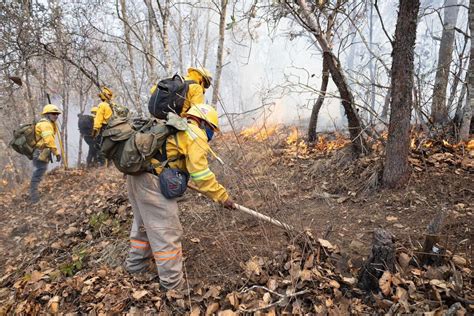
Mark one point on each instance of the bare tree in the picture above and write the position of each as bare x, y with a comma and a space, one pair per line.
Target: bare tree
306, 17
439, 110
220, 51
397, 169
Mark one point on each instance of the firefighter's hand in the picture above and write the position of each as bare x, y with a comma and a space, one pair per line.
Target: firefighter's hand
229, 204
58, 158
95, 133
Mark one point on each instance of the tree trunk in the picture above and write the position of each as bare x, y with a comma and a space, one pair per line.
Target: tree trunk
471, 65
372, 66
382, 258
206, 40
165, 15
126, 28
354, 125
466, 121
313, 121
220, 52
439, 111
430, 253
397, 169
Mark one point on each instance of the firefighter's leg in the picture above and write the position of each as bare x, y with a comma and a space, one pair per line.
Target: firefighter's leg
163, 228
139, 254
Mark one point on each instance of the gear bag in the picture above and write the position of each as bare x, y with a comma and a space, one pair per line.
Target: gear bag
169, 96
119, 111
86, 124
131, 144
24, 140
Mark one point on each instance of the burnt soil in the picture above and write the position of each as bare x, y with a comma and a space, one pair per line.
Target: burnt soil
81, 224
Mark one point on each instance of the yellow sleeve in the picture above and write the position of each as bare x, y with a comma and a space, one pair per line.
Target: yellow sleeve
194, 96
104, 112
201, 175
47, 132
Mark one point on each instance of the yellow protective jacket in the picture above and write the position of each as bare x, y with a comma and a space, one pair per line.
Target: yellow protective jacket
45, 131
104, 112
192, 149
195, 93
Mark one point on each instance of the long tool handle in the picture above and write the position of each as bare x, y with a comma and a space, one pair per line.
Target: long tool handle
63, 153
254, 213
263, 217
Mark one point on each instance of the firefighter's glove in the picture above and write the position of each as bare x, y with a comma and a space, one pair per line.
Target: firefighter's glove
58, 158
95, 133
229, 204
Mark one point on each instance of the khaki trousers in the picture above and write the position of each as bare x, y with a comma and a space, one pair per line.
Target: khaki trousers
156, 230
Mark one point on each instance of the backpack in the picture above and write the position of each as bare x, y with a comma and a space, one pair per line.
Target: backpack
131, 144
118, 111
169, 96
24, 140
85, 124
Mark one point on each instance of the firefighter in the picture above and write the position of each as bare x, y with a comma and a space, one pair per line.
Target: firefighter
104, 111
156, 229
45, 132
202, 78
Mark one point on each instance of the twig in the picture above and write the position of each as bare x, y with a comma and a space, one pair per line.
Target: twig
282, 298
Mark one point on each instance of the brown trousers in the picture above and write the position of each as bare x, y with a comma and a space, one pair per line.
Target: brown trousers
156, 230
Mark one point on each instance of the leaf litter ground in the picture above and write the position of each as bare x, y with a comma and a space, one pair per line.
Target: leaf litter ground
65, 254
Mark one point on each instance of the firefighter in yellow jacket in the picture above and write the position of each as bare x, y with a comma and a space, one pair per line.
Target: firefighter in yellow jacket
104, 111
202, 78
45, 132
156, 229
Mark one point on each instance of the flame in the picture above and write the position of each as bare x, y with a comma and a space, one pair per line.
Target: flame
324, 145
470, 145
259, 134
293, 137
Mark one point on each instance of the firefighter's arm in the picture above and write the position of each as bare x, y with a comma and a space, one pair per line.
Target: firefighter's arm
99, 118
196, 94
47, 133
203, 178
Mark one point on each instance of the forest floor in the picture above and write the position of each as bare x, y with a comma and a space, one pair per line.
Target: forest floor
65, 254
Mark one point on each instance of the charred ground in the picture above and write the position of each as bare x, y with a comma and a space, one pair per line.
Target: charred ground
65, 254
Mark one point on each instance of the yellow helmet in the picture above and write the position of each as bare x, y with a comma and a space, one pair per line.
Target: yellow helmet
94, 109
105, 94
153, 89
206, 112
50, 109
205, 73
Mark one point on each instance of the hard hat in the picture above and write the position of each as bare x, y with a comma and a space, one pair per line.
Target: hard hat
205, 112
153, 89
105, 94
205, 73
50, 109
94, 109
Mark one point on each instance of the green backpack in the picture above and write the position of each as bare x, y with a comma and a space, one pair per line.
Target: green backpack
131, 144
118, 111
24, 140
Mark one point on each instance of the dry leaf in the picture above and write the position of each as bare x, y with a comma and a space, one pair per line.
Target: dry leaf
404, 260
233, 299
195, 240
391, 218
212, 308
139, 294
35, 276
305, 275
326, 244
267, 298
334, 284
54, 304
385, 283
459, 261
195, 311
227, 312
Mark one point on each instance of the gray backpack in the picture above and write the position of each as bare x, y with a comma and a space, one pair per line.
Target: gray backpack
131, 144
